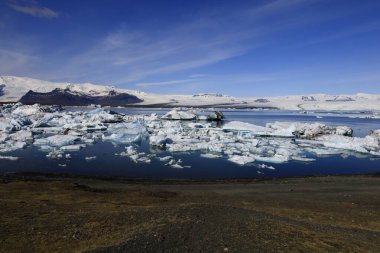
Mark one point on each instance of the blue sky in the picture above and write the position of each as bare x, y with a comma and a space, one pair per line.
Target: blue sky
240, 48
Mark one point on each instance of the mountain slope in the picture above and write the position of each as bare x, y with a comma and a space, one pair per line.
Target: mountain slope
12, 89
67, 97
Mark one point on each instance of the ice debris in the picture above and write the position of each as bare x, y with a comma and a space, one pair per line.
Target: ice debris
90, 158
11, 158
58, 131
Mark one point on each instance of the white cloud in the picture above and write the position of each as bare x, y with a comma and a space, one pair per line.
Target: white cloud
35, 11
173, 82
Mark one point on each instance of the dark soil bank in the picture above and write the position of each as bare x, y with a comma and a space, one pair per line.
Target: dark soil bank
60, 214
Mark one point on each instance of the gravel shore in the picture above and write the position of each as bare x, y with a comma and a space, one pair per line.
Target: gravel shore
51, 213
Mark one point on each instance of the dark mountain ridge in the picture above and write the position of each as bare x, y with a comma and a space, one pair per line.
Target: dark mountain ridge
68, 97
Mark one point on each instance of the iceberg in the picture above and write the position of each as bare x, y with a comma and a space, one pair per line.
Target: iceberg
179, 115
27, 110
361, 145
307, 130
248, 127
72, 147
56, 140
241, 159
13, 124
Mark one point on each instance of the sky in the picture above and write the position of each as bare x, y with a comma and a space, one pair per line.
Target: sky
233, 47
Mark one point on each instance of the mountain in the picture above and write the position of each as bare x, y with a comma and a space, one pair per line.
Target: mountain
68, 97
28, 90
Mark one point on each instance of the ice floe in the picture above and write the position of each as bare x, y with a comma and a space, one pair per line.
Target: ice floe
59, 132
11, 158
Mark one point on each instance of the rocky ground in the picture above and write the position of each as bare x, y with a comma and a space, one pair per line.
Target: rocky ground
42, 213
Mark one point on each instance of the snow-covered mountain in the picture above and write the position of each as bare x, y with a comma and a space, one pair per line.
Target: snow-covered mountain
12, 89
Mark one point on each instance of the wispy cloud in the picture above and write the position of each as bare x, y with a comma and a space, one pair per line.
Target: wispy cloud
12, 62
276, 6
34, 10
352, 31
173, 82
127, 55
164, 58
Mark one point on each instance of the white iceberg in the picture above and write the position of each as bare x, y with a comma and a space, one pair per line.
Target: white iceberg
179, 115
56, 140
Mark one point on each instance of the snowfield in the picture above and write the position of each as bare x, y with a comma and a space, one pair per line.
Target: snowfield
13, 88
58, 132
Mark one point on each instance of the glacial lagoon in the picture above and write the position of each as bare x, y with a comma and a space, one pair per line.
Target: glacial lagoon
104, 157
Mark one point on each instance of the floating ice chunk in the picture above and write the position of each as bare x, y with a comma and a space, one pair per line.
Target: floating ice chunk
130, 150
209, 155
172, 128
375, 133
199, 125
122, 138
93, 127
56, 140
159, 140
90, 158
306, 130
55, 154
11, 158
165, 158
88, 140
271, 159
100, 115
179, 115
28, 110
344, 130
23, 135
10, 145
72, 147
324, 151
302, 159
143, 159
264, 166
241, 159
10, 124
48, 120
136, 157
175, 164
125, 132
215, 116
361, 145
243, 126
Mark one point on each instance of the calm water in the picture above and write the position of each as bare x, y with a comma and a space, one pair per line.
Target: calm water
107, 164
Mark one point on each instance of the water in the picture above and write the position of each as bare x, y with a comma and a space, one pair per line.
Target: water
107, 164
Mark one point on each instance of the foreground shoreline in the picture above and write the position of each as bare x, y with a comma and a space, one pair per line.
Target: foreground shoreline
69, 213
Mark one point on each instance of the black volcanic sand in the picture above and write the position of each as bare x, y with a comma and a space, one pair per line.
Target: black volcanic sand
42, 213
